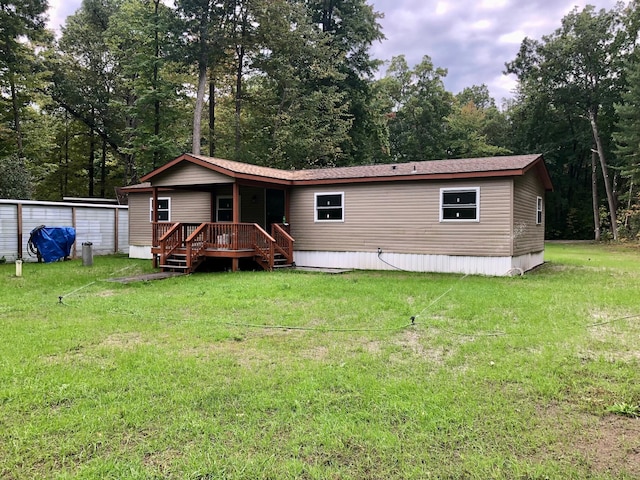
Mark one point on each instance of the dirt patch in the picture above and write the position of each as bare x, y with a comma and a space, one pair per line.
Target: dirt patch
316, 353
126, 340
106, 293
612, 444
609, 444
145, 277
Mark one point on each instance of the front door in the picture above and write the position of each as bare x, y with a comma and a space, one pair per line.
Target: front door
275, 207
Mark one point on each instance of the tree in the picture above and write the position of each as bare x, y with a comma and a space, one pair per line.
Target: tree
205, 37
297, 116
15, 181
352, 27
579, 66
466, 139
22, 26
420, 107
140, 38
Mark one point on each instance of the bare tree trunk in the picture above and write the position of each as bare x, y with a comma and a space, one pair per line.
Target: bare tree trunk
197, 114
16, 114
103, 170
605, 173
238, 100
594, 195
64, 181
156, 100
628, 214
212, 114
92, 159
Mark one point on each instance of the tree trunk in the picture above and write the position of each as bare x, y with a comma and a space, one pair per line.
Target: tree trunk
91, 165
156, 100
594, 196
212, 114
103, 170
628, 214
16, 114
238, 99
197, 114
605, 173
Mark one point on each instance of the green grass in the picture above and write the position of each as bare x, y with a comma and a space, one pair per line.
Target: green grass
197, 377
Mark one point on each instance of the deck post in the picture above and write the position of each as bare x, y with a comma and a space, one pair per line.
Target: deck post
235, 262
287, 206
154, 224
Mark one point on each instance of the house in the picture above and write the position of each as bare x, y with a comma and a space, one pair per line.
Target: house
477, 215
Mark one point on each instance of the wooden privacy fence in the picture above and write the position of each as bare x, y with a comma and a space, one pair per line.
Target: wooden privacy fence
105, 226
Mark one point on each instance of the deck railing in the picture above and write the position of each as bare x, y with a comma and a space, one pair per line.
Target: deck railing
173, 237
283, 241
264, 245
196, 244
197, 238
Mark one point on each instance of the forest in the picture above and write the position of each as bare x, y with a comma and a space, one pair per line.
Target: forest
130, 84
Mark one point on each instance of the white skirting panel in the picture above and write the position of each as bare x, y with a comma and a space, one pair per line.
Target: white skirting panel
495, 266
137, 251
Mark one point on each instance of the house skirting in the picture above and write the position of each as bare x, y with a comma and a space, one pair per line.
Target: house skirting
140, 251
494, 266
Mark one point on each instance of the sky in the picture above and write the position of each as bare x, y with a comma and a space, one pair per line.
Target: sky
472, 39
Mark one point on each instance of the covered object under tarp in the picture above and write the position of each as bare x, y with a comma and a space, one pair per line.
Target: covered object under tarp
52, 243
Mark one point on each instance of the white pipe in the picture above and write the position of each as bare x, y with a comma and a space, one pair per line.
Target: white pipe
18, 268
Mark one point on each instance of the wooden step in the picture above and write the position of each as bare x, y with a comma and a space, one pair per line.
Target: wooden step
175, 267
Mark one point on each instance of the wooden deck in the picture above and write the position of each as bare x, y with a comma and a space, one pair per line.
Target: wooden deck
184, 246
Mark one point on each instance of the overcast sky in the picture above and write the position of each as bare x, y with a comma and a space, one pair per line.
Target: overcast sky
472, 39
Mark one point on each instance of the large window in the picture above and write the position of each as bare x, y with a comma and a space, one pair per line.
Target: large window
329, 207
539, 210
164, 209
224, 209
460, 204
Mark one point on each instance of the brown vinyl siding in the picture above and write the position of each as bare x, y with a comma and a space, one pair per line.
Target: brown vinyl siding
190, 174
404, 218
527, 235
186, 206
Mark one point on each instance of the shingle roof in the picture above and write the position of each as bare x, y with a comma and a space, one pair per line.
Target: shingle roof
458, 168
430, 167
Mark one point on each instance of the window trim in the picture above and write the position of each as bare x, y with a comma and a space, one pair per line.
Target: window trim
539, 210
316, 209
444, 190
218, 198
168, 209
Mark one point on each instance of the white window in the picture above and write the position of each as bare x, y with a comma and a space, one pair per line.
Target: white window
538, 210
460, 204
224, 209
164, 209
329, 207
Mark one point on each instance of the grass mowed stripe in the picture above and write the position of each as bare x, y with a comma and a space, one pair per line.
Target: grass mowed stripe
304, 375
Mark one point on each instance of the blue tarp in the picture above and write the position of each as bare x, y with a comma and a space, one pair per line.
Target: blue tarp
53, 243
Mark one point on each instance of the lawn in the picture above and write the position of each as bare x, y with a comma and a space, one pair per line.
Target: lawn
363, 375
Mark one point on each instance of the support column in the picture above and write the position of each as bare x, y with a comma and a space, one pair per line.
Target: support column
115, 230
287, 206
154, 232
74, 253
235, 262
19, 213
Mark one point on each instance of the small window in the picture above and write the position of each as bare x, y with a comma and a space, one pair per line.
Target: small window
224, 209
164, 209
539, 210
459, 204
329, 207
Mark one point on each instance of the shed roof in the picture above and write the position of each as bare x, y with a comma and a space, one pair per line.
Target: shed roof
514, 165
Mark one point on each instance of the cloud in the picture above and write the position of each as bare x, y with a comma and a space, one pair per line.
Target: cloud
59, 10
471, 39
